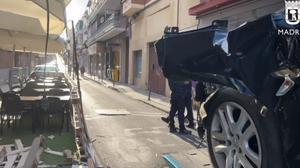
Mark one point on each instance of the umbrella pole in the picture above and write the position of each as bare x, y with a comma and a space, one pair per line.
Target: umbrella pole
14, 54
76, 69
46, 45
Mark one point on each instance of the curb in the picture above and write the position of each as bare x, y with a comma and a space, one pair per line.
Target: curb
145, 102
113, 88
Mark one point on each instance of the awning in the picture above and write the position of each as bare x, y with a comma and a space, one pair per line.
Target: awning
25, 41
24, 22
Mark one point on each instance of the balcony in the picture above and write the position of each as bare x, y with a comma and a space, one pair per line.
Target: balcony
103, 6
130, 7
209, 5
107, 30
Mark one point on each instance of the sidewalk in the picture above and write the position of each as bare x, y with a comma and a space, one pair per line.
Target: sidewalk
158, 101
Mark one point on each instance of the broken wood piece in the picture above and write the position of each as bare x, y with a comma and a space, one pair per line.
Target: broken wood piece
36, 150
51, 137
46, 166
22, 159
90, 163
8, 147
18, 151
2, 153
19, 144
49, 151
68, 156
67, 153
10, 161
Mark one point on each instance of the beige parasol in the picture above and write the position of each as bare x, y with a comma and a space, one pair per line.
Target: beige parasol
23, 24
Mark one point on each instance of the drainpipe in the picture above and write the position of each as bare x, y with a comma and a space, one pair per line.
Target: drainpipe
177, 13
14, 54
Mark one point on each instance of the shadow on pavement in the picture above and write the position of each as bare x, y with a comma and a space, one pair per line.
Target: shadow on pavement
193, 140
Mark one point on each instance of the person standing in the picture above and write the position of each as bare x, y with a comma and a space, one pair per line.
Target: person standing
178, 89
82, 70
188, 105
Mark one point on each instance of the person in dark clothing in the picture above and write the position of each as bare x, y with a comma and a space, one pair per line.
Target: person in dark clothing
200, 92
188, 105
82, 70
178, 95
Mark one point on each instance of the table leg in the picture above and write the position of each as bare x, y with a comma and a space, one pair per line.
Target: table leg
33, 117
68, 114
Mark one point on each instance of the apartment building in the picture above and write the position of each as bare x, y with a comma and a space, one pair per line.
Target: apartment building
148, 18
107, 42
81, 46
235, 11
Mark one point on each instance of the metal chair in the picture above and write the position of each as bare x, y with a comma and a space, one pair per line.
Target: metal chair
61, 85
11, 109
58, 92
55, 107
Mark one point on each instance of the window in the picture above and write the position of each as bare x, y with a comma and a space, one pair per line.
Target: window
138, 64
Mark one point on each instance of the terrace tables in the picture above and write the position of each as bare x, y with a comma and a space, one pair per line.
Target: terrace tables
45, 84
37, 98
48, 89
32, 95
35, 102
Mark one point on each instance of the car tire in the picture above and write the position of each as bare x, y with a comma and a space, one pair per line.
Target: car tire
255, 138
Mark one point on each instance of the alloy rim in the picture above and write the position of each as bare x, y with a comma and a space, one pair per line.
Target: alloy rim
234, 138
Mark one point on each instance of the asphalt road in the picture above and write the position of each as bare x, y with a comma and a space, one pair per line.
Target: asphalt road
128, 133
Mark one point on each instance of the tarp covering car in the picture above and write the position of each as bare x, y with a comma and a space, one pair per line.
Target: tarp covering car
249, 54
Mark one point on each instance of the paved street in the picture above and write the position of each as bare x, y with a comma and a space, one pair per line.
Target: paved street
128, 132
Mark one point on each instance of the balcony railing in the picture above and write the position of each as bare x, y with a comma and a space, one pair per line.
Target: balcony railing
102, 7
96, 9
105, 30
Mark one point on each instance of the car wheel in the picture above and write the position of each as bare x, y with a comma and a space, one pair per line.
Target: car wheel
239, 137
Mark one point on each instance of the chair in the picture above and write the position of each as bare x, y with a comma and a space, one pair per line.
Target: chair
58, 92
11, 109
28, 90
61, 85
55, 107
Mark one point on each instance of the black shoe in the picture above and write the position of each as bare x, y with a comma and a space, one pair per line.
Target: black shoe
185, 131
165, 119
173, 129
191, 125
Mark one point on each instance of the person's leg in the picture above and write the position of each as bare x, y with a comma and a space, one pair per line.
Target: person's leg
190, 116
165, 119
181, 107
172, 115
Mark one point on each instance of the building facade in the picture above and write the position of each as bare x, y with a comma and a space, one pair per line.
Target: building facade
235, 11
148, 18
107, 40
81, 47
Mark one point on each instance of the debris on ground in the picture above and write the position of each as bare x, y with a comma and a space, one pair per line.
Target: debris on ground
16, 155
68, 156
51, 137
52, 152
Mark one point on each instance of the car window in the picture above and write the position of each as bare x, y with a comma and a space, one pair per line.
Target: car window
48, 69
